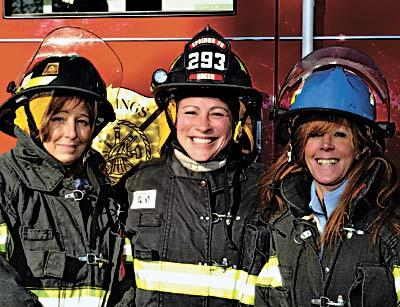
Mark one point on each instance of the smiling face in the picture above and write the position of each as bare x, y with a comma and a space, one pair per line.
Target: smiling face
68, 131
203, 127
329, 153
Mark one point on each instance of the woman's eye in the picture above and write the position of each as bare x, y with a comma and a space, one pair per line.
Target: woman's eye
315, 134
218, 114
340, 134
83, 122
189, 112
57, 119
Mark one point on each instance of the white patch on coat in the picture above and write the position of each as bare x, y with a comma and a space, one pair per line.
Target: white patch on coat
145, 199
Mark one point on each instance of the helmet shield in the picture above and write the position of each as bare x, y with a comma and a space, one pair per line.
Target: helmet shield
351, 59
69, 62
335, 80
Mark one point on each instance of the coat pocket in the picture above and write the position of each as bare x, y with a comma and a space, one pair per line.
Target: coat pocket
34, 234
372, 287
38, 239
272, 297
255, 248
43, 255
144, 219
46, 263
147, 234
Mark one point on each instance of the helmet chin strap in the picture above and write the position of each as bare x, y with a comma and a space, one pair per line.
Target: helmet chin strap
34, 132
237, 133
239, 129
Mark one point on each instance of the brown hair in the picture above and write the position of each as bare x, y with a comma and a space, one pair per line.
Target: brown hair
368, 156
56, 105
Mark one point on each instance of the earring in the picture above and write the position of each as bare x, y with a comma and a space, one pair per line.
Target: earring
289, 153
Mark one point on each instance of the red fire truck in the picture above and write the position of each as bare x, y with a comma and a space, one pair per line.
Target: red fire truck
269, 35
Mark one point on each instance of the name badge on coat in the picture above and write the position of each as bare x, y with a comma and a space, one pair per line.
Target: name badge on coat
145, 199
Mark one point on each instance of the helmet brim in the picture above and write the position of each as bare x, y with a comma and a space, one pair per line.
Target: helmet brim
282, 129
105, 114
228, 89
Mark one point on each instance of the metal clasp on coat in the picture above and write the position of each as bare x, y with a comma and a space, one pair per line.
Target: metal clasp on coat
76, 195
227, 217
350, 231
303, 236
93, 259
119, 211
324, 301
223, 264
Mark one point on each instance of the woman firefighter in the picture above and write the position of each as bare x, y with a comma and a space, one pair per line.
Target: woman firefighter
58, 217
331, 198
191, 217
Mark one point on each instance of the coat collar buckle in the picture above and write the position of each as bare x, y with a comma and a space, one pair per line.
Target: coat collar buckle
76, 195
324, 301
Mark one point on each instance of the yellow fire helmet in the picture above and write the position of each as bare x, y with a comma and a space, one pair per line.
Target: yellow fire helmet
69, 62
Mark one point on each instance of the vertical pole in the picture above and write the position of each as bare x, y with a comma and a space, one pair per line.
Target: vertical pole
273, 109
308, 27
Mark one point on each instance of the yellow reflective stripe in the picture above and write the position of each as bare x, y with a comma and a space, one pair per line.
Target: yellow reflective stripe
192, 279
42, 80
396, 275
6, 242
3, 238
127, 251
270, 275
70, 297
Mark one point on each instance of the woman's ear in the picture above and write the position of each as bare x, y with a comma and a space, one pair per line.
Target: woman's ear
289, 152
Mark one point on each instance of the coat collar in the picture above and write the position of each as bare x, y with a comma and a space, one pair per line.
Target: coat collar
34, 166
236, 174
295, 190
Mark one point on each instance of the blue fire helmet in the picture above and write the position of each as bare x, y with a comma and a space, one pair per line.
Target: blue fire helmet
336, 90
330, 91
338, 81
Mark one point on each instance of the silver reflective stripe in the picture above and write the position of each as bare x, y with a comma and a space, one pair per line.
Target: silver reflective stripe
195, 279
80, 297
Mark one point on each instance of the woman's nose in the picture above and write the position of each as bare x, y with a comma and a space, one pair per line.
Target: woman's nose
326, 142
70, 129
203, 123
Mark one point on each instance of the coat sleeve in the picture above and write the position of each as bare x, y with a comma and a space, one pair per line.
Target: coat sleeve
268, 280
126, 286
396, 278
269, 287
12, 294
391, 252
127, 289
